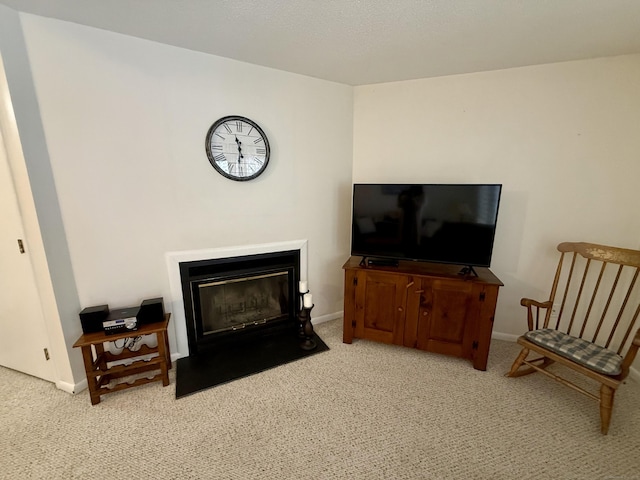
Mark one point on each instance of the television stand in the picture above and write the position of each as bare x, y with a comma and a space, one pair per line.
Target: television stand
378, 262
421, 305
468, 270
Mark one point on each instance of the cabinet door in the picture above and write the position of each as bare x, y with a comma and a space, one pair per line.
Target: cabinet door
380, 306
443, 325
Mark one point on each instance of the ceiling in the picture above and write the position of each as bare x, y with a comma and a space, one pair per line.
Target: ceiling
359, 42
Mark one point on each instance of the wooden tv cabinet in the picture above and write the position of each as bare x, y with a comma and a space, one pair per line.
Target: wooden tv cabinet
421, 305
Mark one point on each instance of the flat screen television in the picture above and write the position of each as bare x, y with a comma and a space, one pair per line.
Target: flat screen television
443, 223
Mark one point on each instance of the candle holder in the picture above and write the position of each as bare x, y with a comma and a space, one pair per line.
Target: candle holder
300, 322
306, 329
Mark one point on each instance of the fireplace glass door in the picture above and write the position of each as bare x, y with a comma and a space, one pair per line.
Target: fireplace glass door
229, 305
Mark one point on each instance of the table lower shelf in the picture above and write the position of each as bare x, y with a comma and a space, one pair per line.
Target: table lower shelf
104, 378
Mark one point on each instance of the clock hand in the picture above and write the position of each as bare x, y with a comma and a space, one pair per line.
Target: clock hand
239, 143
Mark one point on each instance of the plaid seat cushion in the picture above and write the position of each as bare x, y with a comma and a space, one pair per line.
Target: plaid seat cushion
585, 353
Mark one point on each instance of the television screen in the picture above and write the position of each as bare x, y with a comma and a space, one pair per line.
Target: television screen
430, 222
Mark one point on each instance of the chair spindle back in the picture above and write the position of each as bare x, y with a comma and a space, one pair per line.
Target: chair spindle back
599, 292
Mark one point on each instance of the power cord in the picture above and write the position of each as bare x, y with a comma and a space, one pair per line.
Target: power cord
131, 343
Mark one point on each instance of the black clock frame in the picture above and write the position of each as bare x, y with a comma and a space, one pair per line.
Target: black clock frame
210, 156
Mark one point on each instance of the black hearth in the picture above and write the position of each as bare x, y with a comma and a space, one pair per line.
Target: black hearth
227, 363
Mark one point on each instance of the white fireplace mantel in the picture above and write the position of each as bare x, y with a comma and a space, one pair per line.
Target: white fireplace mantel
176, 303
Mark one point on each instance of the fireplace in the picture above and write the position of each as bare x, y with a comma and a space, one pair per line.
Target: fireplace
235, 299
235, 312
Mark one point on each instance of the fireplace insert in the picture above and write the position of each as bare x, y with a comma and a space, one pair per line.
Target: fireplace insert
239, 299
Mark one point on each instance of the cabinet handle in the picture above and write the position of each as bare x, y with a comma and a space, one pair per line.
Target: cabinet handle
399, 309
409, 284
419, 291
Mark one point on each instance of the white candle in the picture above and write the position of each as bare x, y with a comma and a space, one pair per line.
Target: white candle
303, 287
307, 300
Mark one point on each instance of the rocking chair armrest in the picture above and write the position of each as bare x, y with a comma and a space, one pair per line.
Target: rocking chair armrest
530, 304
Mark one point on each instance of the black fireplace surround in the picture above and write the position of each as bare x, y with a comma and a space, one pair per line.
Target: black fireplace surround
235, 300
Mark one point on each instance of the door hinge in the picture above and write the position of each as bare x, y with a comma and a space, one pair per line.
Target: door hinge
355, 281
474, 345
353, 323
46, 354
20, 245
483, 295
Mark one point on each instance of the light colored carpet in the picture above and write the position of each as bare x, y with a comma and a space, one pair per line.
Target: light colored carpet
360, 411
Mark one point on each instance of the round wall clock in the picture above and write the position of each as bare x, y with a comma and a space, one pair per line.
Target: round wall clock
237, 148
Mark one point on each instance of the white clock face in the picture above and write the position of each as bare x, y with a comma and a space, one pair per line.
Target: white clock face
237, 148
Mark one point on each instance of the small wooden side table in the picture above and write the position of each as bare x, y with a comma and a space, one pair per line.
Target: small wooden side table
99, 375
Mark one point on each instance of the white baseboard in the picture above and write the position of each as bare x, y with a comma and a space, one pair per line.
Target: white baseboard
508, 337
72, 388
326, 318
634, 373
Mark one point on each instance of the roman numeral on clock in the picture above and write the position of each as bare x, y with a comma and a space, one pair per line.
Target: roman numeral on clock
261, 151
239, 126
227, 128
220, 158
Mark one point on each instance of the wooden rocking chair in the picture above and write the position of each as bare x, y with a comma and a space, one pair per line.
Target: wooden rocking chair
590, 327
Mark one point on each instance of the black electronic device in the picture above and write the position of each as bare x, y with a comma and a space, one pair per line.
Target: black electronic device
121, 320
151, 311
444, 223
91, 318
381, 262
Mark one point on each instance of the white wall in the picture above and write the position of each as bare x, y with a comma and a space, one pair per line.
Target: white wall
125, 121
31, 171
563, 139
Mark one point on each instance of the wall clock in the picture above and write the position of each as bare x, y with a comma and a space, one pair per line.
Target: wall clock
237, 148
